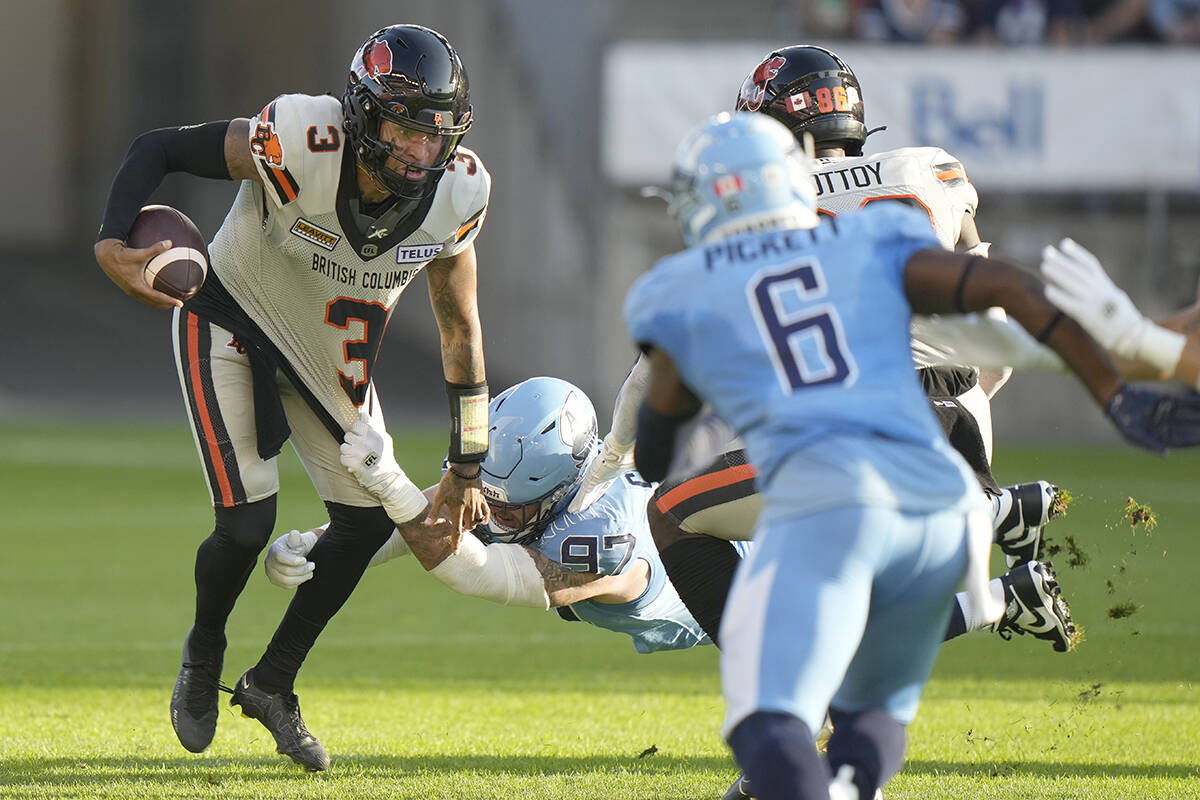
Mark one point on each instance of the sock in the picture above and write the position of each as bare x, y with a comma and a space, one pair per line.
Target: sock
341, 556
958, 622
1006, 515
224, 562
964, 619
701, 569
777, 754
872, 742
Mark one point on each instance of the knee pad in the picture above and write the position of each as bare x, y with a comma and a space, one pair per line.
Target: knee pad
247, 526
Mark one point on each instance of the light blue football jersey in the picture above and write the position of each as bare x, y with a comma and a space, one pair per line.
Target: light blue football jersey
800, 341
605, 539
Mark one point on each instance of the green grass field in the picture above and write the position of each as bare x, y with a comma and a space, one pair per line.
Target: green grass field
419, 693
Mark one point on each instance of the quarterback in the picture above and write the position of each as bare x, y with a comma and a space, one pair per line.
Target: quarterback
340, 205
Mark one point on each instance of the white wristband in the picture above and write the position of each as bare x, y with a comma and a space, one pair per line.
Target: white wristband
400, 497
1160, 347
501, 572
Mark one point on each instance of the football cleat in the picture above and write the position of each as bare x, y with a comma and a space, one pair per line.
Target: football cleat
280, 714
194, 700
1021, 512
740, 790
1033, 603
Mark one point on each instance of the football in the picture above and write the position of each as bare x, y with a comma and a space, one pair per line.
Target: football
181, 270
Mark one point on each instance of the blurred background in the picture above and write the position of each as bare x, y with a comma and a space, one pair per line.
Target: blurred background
1073, 117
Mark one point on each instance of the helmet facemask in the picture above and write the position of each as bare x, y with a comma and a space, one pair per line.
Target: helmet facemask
410, 78
543, 435
383, 155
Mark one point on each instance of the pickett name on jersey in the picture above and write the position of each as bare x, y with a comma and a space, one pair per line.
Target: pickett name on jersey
742, 249
858, 177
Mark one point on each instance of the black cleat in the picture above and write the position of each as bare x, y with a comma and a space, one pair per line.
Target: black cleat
1033, 603
740, 790
1023, 511
280, 714
194, 700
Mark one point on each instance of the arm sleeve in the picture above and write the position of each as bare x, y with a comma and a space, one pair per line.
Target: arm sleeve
500, 572
394, 547
630, 396
982, 340
195, 149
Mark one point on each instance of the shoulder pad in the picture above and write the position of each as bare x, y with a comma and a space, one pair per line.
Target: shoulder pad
463, 194
296, 142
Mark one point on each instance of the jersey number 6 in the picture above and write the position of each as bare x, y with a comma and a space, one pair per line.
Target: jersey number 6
803, 337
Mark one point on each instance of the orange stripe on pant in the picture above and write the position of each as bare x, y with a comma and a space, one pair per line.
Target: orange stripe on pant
210, 437
704, 483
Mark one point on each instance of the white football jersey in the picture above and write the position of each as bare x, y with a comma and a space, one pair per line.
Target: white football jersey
292, 256
926, 178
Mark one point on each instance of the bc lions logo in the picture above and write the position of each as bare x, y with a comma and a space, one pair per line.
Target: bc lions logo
377, 59
755, 87
266, 146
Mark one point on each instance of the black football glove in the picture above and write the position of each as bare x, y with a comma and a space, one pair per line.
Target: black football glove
1153, 420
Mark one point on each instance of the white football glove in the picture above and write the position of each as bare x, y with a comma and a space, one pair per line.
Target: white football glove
367, 453
1078, 284
613, 459
287, 564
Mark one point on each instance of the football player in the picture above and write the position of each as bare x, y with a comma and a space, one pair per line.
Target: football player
797, 334
543, 438
340, 205
693, 514
598, 566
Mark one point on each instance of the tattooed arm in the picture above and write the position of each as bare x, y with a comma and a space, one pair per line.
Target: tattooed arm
565, 586
452, 292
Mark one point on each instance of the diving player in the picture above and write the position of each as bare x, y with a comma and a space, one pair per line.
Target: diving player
598, 566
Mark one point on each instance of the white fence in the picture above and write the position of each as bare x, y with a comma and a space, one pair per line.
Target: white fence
1021, 120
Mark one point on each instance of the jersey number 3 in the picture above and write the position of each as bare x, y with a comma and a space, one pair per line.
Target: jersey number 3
803, 336
358, 350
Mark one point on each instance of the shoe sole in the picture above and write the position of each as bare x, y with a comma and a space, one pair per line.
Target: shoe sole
1043, 602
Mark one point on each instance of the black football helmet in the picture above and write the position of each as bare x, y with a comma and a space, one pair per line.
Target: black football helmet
409, 75
810, 90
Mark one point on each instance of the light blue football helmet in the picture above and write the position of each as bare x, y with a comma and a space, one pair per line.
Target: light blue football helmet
543, 434
740, 172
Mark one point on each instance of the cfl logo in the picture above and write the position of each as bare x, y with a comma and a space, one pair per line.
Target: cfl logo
370, 460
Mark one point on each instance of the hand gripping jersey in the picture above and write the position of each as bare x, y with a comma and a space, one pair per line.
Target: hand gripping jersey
605, 539
927, 178
293, 258
799, 340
